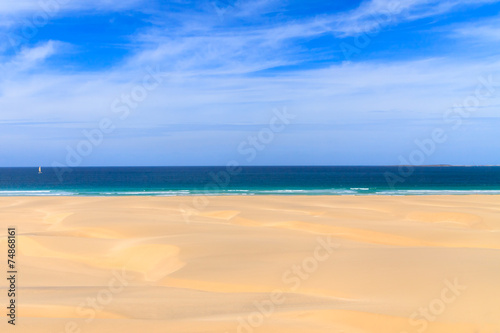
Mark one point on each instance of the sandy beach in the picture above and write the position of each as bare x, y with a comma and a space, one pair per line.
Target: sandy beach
261, 264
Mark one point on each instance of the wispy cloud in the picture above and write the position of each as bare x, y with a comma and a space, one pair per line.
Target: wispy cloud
376, 14
27, 7
30, 57
485, 31
210, 48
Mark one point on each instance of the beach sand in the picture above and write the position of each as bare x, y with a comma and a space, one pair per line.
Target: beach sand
254, 264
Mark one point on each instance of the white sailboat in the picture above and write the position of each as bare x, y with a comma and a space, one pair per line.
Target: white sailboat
39, 170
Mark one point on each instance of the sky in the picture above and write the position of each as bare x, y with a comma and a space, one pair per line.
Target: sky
260, 82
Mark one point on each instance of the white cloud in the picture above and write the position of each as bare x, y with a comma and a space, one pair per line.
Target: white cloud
28, 58
34, 7
39, 53
376, 14
483, 31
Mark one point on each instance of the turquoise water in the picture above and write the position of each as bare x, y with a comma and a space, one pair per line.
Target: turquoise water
179, 181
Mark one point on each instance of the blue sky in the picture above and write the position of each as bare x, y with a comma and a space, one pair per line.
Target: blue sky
367, 82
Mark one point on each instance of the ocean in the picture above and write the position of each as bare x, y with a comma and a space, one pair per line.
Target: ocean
177, 181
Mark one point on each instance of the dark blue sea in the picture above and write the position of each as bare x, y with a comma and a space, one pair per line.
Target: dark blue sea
176, 181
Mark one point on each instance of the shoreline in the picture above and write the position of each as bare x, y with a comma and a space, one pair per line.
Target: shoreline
248, 193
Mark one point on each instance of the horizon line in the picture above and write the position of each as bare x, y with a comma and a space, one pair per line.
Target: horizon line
258, 166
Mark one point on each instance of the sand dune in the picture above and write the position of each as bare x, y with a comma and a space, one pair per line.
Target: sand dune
255, 264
